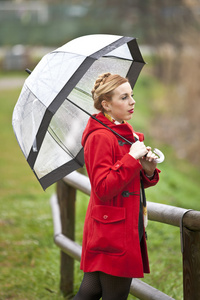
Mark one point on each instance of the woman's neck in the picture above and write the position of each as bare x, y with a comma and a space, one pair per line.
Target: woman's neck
109, 117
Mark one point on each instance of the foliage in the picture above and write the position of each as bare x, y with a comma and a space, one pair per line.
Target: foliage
177, 111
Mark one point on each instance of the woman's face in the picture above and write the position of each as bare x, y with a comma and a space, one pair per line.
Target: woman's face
121, 106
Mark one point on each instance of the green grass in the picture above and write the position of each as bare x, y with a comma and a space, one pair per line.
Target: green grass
29, 259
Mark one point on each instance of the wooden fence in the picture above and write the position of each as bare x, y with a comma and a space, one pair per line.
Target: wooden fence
63, 210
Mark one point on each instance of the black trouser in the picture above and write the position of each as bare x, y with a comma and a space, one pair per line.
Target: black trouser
97, 284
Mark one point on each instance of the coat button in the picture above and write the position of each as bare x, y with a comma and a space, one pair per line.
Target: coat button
125, 194
105, 217
120, 143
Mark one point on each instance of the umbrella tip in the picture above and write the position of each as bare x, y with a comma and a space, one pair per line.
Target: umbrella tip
28, 71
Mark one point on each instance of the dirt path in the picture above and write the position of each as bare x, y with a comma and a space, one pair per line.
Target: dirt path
11, 83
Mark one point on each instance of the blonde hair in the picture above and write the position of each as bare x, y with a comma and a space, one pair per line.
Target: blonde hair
104, 87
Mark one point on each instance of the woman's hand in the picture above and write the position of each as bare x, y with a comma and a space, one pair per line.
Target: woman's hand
148, 162
138, 150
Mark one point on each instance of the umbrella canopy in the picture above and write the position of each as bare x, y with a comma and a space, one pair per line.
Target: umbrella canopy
47, 125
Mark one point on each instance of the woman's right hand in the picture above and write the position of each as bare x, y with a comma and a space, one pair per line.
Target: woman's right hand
138, 150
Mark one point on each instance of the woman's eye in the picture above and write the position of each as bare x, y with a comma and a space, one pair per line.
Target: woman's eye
126, 96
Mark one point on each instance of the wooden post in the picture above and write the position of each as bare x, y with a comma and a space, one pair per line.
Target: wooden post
66, 199
191, 255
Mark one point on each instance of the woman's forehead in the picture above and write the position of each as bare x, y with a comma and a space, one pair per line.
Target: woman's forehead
124, 88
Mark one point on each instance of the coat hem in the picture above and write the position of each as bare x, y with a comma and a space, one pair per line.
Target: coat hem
112, 274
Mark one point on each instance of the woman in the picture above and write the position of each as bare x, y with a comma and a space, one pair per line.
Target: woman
113, 251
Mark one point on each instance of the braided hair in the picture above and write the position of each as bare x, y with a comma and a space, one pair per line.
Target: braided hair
104, 86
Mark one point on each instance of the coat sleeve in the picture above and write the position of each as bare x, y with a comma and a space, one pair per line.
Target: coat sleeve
146, 181
108, 176
150, 182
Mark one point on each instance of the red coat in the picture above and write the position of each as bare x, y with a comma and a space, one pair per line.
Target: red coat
111, 239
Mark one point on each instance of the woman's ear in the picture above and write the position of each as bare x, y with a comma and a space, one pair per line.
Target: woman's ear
106, 105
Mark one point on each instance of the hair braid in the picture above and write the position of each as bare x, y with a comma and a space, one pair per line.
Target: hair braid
99, 82
104, 86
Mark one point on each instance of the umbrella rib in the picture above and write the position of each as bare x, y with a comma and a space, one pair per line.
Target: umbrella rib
63, 146
84, 92
117, 57
60, 143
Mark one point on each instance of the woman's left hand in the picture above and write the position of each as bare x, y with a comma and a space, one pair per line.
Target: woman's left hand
148, 162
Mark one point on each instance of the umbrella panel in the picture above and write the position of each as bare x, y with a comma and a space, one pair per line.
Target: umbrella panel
122, 52
89, 44
31, 111
51, 75
113, 65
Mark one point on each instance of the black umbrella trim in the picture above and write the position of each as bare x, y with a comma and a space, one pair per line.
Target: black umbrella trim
131, 75
62, 171
60, 98
137, 64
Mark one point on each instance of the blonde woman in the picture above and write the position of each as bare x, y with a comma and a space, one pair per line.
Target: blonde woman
114, 246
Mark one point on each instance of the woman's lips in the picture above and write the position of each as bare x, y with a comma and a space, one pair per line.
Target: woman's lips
131, 111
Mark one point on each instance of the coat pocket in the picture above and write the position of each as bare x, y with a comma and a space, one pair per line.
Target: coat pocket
108, 232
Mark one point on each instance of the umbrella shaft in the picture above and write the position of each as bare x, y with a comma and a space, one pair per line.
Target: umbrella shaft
93, 117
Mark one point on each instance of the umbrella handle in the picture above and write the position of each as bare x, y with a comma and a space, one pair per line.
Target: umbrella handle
161, 156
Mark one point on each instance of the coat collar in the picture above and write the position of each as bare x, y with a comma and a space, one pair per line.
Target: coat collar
124, 129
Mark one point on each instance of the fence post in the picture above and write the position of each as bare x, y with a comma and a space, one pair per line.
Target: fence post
191, 255
66, 198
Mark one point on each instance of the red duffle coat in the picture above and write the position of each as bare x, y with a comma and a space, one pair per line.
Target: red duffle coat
111, 238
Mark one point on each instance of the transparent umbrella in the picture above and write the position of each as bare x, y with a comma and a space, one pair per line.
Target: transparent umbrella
47, 124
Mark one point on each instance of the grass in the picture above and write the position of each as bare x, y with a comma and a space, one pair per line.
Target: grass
29, 260
28, 257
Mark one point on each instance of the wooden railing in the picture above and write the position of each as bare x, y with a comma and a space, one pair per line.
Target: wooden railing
63, 210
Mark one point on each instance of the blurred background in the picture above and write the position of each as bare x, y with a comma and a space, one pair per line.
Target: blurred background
167, 111
167, 29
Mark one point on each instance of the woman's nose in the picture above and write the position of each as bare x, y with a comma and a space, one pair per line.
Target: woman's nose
132, 101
